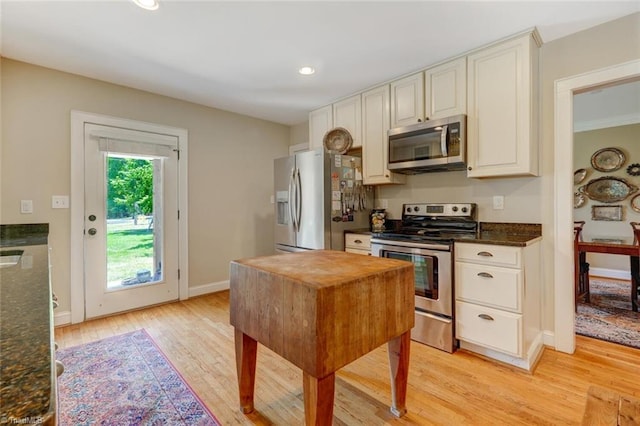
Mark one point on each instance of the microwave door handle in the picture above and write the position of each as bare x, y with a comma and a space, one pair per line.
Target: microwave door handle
443, 140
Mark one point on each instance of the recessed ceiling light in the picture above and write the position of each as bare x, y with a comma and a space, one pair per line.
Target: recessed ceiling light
147, 4
306, 70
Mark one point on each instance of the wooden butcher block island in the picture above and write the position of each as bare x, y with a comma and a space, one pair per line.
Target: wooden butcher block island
321, 310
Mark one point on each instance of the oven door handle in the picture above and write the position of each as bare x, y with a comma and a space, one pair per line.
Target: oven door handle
443, 140
434, 317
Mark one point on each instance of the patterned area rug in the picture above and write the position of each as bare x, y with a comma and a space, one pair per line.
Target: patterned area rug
125, 380
609, 315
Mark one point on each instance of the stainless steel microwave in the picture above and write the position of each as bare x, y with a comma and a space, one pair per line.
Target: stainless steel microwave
430, 146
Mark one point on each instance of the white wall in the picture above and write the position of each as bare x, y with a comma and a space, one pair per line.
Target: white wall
230, 165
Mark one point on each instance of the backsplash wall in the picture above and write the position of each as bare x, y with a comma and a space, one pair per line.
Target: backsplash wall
521, 195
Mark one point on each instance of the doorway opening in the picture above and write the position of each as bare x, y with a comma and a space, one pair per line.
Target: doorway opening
564, 293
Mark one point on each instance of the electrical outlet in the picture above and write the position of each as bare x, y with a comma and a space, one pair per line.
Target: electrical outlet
26, 206
59, 201
498, 202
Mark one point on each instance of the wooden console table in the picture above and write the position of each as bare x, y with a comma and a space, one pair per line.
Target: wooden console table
633, 251
321, 310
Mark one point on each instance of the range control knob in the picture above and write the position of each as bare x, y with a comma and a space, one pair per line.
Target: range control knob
464, 210
416, 209
455, 208
408, 209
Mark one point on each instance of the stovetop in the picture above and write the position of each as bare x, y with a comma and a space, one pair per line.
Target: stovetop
443, 223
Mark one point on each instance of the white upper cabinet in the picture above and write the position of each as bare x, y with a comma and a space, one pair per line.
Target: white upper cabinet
502, 137
407, 100
320, 122
375, 123
446, 89
348, 114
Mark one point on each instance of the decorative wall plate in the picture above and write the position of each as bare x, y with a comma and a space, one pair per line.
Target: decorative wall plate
338, 140
608, 189
579, 175
635, 203
608, 159
578, 200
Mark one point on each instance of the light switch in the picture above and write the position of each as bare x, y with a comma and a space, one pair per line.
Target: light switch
498, 202
60, 201
26, 206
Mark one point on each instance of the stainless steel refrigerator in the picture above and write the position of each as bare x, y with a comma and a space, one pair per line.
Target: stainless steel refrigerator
318, 196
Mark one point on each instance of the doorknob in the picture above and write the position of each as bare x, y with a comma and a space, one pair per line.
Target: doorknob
92, 231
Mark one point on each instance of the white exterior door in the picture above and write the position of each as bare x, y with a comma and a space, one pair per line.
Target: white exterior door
131, 219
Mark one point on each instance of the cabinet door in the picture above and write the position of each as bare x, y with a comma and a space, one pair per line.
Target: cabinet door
320, 122
375, 123
407, 100
446, 89
348, 114
502, 116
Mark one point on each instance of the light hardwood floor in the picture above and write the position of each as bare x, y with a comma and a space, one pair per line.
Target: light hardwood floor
444, 389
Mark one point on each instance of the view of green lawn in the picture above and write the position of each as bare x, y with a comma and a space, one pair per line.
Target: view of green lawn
129, 250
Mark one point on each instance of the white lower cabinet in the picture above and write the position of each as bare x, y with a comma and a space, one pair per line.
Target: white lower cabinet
498, 301
357, 243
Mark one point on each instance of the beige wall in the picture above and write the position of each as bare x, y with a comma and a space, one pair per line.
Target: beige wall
299, 134
627, 139
230, 167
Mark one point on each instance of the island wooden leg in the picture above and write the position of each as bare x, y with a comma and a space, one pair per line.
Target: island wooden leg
318, 399
399, 367
246, 353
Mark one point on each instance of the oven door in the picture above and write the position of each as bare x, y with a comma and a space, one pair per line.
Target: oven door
433, 270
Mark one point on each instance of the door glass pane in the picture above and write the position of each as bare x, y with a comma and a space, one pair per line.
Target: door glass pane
134, 233
425, 272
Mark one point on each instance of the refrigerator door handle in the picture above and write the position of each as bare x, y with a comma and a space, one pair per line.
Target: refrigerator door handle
298, 199
291, 198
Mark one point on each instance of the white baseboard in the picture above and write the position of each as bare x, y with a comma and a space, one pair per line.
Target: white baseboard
549, 338
610, 273
61, 318
208, 288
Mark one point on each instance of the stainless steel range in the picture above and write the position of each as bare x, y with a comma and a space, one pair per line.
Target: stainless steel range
426, 239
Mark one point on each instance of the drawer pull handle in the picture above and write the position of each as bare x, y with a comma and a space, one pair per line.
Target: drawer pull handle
357, 241
485, 275
486, 317
485, 254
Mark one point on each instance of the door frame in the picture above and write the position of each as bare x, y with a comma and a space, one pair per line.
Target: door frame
76, 275
564, 297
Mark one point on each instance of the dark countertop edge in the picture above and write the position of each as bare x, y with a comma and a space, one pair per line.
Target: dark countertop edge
24, 234
365, 231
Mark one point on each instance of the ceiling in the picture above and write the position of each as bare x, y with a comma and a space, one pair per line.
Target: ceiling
243, 56
610, 106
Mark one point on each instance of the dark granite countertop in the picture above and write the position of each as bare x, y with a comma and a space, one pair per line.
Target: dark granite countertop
27, 375
507, 234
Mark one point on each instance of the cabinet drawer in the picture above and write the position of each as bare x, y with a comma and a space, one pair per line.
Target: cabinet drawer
489, 327
489, 254
357, 241
489, 285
